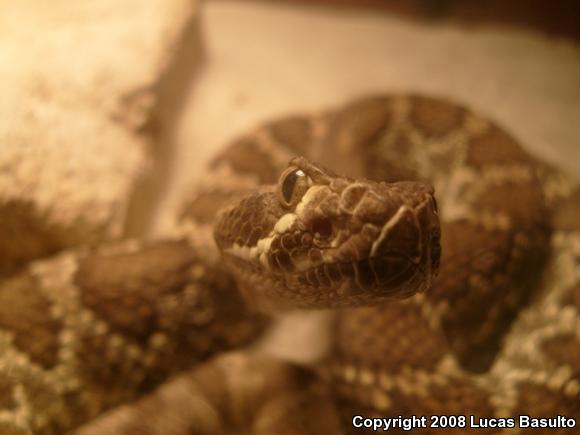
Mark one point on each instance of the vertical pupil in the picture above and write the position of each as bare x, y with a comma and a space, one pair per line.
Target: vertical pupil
289, 184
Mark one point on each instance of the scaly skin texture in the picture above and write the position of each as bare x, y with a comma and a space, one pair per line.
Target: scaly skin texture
436, 352
333, 241
93, 328
445, 349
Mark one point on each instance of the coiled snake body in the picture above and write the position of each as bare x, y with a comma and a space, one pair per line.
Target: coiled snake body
423, 307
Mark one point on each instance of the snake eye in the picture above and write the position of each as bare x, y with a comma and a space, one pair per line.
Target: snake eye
292, 185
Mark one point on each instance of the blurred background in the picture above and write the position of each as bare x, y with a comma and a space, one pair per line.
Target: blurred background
515, 61
111, 110
553, 18
130, 99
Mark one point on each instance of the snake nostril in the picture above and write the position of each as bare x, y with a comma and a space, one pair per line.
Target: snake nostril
322, 228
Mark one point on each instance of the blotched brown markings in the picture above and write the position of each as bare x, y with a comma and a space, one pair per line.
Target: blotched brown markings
352, 133
294, 133
435, 118
27, 233
540, 401
231, 322
525, 201
398, 331
125, 289
564, 349
364, 121
245, 156
445, 161
465, 246
466, 398
393, 160
7, 400
495, 147
108, 374
206, 317
479, 268
8, 427
572, 297
32, 390
373, 335
26, 314
459, 396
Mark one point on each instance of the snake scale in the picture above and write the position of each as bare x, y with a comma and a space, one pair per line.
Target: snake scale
457, 299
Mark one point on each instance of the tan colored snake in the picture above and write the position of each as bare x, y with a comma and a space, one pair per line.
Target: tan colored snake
102, 326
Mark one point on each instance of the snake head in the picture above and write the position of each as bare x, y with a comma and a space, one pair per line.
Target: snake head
319, 239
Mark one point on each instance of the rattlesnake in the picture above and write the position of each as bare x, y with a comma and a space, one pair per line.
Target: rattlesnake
426, 337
